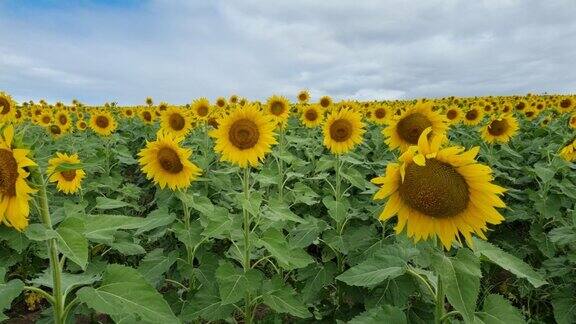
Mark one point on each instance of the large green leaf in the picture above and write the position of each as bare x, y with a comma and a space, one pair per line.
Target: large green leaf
9, 291
101, 228
564, 303
383, 314
124, 291
69, 281
155, 264
373, 271
460, 277
107, 203
289, 258
72, 242
233, 282
283, 299
159, 217
497, 310
206, 305
316, 278
509, 262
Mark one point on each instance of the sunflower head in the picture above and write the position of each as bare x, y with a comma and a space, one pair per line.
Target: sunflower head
312, 116
325, 102
473, 116
176, 121
343, 130
167, 163
303, 96
221, 102
66, 171
245, 136
81, 124
201, 109
7, 108
568, 152
149, 101
147, 115
453, 114
379, 114
102, 122
500, 129
278, 108
439, 192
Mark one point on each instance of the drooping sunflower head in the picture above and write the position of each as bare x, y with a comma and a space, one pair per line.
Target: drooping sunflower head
167, 163
176, 121
201, 109
343, 130
245, 136
102, 122
14, 189
66, 171
278, 108
312, 116
303, 96
440, 192
7, 108
500, 129
473, 116
405, 129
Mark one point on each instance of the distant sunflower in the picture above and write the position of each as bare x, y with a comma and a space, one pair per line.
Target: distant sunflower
568, 152
245, 136
146, 115
128, 112
62, 119
545, 121
67, 181
453, 115
404, 131
201, 109
325, 102
81, 124
440, 192
312, 116
530, 113
473, 116
500, 129
7, 108
14, 190
520, 105
572, 121
221, 102
167, 163
149, 101
278, 108
233, 99
379, 115
303, 96
343, 130
45, 119
102, 122
176, 121
566, 104
55, 130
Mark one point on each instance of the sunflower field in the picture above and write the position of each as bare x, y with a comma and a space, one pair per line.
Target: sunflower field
437, 210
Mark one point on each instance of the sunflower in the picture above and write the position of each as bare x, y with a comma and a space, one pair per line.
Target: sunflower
7, 108
343, 130
149, 101
176, 121
473, 116
45, 119
453, 114
233, 99
81, 124
146, 115
545, 121
278, 108
568, 152
102, 122
500, 129
405, 130
312, 116
245, 136
379, 114
325, 102
572, 121
201, 108
56, 131
69, 180
530, 113
62, 119
440, 192
128, 112
167, 163
14, 190
221, 102
303, 96
566, 104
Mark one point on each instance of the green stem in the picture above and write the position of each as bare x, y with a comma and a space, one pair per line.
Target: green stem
41, 292
206, 155
339, 223
189, 251
246, 227
440, 311
281, 166
57, 295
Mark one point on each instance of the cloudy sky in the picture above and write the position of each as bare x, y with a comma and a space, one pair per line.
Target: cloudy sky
177, 50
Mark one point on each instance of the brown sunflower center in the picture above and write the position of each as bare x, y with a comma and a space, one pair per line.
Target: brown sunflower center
472, 114
8, 173
565, 103
82, 125
128, 112
220, 103
380, 113
410, 127
498, 127
18, 114
341, 130
529, 114
63, 119
244, 134
102, 121
176, 121
55, 129
436, 189
5, 104
311, 115
169, 160
147, 116
324, 102
277, 108
46, 119
202, 111
452, 114
520, 106
302, 97
68, 175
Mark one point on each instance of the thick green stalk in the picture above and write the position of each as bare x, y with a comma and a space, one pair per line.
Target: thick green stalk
57, 295
440, 311
246, 227
339, 224
189, 250
281, 166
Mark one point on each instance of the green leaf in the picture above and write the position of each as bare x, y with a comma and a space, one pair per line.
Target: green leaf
107, 203
338, 211
101, 228
498, 310
217, 224
124, 291
317, 277
278, 212
69, 280
71, 241
207, 306
383, 314
127, 248
14, 239
563, 235
9, 291
354, 177
155, 264
288, 258
306, 233
159, 217
234, 282
373, 271
283, 299
39, 232
460, 277
564, 303
191, 237
509, 262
